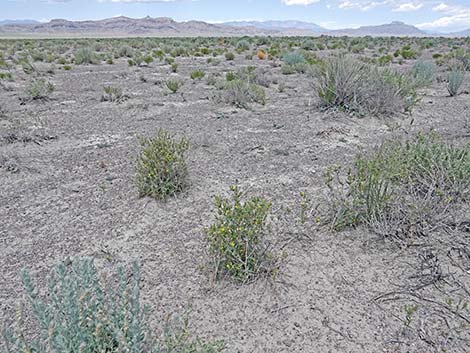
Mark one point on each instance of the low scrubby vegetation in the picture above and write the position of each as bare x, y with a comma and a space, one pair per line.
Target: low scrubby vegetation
39, 89
237, 239
350, 85
405, 187
161, 168
82, 312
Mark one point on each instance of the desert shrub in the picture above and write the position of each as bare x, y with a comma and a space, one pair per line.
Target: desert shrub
197, 75
293, 62
82, 313
402, 187
6, 76
240, 93
350, 85
125, 51
423, 72
85, 56
28, 68
174, 85
243, 45
463, 57
112, 94
407, 53
148, 59
229, 56
230, 76
174, 67
39, 89
236, 238
454, 81
161, 167
261, 54
293, 58
384, 60
308, 44
251, 74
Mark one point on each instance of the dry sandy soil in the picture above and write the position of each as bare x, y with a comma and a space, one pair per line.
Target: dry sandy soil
71, 192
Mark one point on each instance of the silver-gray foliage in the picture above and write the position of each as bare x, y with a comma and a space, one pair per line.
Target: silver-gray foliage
83, 315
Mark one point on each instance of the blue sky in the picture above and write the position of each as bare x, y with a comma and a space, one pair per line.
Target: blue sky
436, 15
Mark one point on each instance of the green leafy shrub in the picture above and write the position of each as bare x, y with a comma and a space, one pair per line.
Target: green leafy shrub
197, 75
384, 60
455, 79
39, 89
229, 56
401, 185
408, 53
174, 85
161, 168
81, 313
237, 237
85, 56
6, 76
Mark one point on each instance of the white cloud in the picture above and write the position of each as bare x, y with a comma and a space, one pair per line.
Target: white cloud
406, 7
136, 1
455, 16
461, 20
299, 2
360, 5
441, 7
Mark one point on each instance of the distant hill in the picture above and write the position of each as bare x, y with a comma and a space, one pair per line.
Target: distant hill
396, 28
167, 27
125, 26
465, 33
279, 25
18, 22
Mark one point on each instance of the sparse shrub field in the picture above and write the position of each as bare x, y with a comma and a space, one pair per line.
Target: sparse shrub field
118, 151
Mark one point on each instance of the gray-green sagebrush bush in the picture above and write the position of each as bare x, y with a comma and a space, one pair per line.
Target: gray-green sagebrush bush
82, 313
39, 89
455, 79
403, 187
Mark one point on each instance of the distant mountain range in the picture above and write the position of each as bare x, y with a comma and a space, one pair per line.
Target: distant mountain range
278, 25
167, 27
18, 22
395, 28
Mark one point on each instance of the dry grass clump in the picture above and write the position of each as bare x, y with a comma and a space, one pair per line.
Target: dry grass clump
240, 93
351, 85
113, 94
80, 313
404, 187
161, 168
